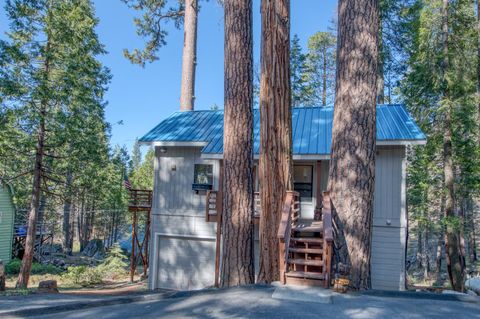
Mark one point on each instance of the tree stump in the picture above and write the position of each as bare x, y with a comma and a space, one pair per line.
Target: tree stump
48, 286
2, 276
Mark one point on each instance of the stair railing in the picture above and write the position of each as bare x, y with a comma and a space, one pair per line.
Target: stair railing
327, 236
289, 217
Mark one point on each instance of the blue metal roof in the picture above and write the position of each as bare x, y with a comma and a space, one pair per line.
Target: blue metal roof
312, 129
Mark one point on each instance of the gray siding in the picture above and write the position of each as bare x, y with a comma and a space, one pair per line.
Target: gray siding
183, 252
181, 237
7, 212
389, 221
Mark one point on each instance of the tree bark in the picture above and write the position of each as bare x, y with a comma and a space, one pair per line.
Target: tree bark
438, 259
352, 168
67, 207
24, 274
275, 165
189, 59
237, 215
455, 265
380, 67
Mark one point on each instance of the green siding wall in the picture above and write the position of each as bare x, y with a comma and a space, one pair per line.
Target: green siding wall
7, 212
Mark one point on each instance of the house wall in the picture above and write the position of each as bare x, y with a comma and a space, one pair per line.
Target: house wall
183, 253
7, 213
389, 220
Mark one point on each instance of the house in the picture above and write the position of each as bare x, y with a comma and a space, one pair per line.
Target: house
189, 147
7, 215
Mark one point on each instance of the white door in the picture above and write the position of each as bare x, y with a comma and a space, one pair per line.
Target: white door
185, 263
303, 184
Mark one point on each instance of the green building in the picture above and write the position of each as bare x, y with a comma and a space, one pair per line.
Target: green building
7, 215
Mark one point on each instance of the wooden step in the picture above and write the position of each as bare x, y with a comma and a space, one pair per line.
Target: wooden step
309, 240
308, 262
305, 250
305, 274
313, 228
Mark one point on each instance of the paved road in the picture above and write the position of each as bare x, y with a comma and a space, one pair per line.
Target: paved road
258, 303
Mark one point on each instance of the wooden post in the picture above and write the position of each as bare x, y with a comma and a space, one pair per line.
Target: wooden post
219, 226
132, 256
318, 193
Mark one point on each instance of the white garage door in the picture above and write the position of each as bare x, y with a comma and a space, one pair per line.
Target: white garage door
185, 263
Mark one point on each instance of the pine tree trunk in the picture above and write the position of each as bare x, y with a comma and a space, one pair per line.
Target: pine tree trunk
478, 57
67, 206
27, 259
380, 68
275, 165
352, 167
455, 266
237, 216
189, 60
438, 259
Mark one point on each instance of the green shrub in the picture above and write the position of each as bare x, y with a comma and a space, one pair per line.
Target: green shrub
114, 264
83, 275
13, 268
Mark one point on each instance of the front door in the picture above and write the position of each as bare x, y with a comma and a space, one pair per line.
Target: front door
303, 184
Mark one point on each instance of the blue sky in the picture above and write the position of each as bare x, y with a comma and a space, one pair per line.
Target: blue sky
141, 98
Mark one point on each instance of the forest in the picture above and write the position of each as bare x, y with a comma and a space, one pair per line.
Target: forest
56, 150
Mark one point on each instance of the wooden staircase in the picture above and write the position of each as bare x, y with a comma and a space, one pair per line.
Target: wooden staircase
305, 247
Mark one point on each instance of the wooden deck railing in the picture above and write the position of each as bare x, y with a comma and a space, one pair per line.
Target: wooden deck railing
290, 214
213, 207
327, 235
140, 199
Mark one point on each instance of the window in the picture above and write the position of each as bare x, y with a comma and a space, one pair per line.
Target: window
303, 181
203, 177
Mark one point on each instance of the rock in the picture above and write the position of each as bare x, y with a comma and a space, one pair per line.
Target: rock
473, 284
94, 246
452, 292
99, 255
48, 286
471, 293
2, 276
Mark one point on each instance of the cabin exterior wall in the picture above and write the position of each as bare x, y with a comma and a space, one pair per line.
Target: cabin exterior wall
183, 243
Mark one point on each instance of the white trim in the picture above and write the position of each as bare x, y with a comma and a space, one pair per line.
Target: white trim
401, 142
211, 156
313, 157
174, 143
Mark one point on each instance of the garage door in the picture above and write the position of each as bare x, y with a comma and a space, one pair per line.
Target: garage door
185, 263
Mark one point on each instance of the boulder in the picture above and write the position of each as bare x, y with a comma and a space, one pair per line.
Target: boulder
471, 293
2, 276
94, 246
48, 286
452, 292
473, 284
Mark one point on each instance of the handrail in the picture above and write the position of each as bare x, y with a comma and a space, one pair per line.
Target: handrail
327, 217
327, 235
214, 203
140, 199
285, 229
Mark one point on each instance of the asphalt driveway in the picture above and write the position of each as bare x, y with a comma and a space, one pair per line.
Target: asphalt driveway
258, 303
